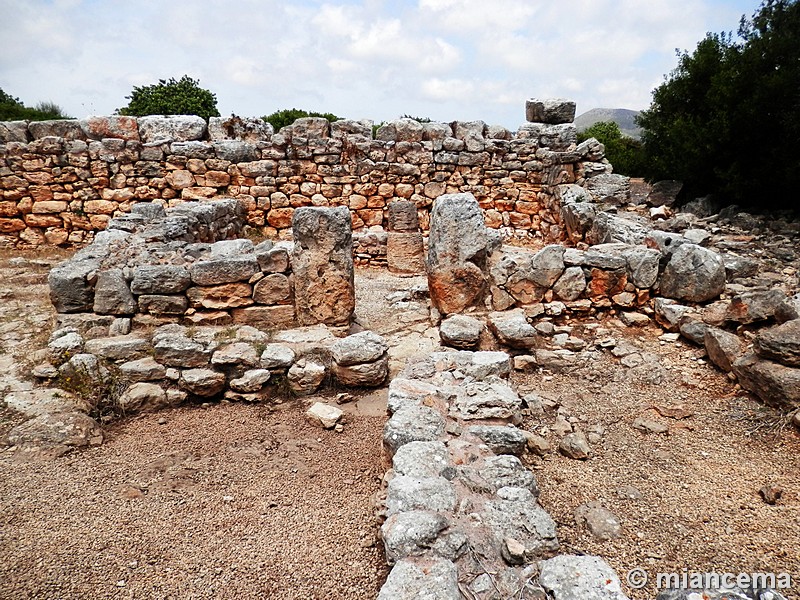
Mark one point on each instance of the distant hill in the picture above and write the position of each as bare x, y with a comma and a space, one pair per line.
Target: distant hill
621, 116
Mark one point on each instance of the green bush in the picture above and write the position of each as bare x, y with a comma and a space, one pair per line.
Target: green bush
12, 109
282, 118
171, 97
624, 153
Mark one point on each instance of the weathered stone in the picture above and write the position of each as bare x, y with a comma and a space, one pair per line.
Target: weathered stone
419, 493
160, 279
517, 515
370, 374
780, 343
123, 347
202, 382
461, 331
238, 353
693, 329
158, 304
143, 369
322, 263
230, 248
63, 344
500, 439
574, 445
491, 399
324, 415
223, 270
601, 522
362, 347
251, 381
56, 433
507, 471
180, 351
788, 310
610, 187
723, 348
775, 384
14, 131
547, 265
420, 459
411, 533
664, 193
405, 253
277, 356
265, 317
642, 266
512, 329
306, 375
553, 111
567, 577
754, 306
71, 290
143, 397
272, 260
669, 313
402, 216
249, 129
422, 579
571, 285
275, 288
228, 295
412, 424
693, 273
174, 128
84, 370
485, 364
457, 253
112, 296
119, 127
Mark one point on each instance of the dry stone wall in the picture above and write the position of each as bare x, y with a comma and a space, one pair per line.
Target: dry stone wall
63, 181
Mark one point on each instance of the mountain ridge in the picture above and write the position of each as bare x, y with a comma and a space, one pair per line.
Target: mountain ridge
623, 117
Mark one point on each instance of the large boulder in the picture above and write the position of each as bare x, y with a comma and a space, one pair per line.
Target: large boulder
322, 262
457, 253
694, 274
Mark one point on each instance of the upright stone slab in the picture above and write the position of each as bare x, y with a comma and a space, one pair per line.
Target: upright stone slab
456, 253
322, 262
405, 253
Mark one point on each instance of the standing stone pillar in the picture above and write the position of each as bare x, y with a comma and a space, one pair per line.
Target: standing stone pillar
457, 253
322, 263
405, 253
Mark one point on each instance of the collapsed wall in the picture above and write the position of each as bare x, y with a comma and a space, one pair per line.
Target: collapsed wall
63, 181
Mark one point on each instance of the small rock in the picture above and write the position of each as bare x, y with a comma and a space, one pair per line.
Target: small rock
324, 414
537, 444
601, 522
513, 551
162, 421
574, 445
771, 494
648, 426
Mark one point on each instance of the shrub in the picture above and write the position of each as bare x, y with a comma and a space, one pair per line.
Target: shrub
282, 118
171, 97
12, 109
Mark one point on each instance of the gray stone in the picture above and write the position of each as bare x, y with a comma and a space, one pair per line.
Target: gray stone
693, 273
642, 266
419, 493
422, 579
277, 356
123, 347
461, 331
174, 128
362, 347
608, 228
412, 423
693, 329
776, 384
601, 522
411, 533
739, 267
610, 187
322, 263
512, 329
71, 290
421, 459
61, 347
230, 248
780, 343
272, 260
485, 400
664, 193
202, 382
457, 253
325, 415
251, 381
553, 111
143, 397
507, 471
112, 296
238, 353
574, 445
669, 313
160, 279
402, 216
547, 265
734, 593
248, 129
143, 369
56, 433
84, 370
556, 361
571, 285
585, 577
754, 306
306, 375
180, 351
163, 304
486, 363
370, 374
700, 237
788, 310
723, 348
235, 151
500, 439
518, 516
14, 131
224, 270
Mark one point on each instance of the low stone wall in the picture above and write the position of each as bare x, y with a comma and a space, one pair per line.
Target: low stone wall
62, 181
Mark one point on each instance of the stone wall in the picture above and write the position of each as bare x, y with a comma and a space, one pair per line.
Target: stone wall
62, 181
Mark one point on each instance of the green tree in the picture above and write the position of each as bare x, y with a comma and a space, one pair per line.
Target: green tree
726, 120
12, 109
624, 153
171, 97
282, 118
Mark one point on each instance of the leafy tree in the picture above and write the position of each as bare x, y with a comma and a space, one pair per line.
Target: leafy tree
726, 120
282, 118
625, 153
171, 97
12, 109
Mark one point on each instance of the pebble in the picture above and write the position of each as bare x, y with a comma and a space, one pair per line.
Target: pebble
162, 421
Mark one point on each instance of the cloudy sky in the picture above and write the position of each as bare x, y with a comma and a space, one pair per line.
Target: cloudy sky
373, 59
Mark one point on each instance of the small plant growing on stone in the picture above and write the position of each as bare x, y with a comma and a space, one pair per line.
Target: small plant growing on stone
100, 389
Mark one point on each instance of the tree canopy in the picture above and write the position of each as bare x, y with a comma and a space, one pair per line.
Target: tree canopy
282, 118
12, 109
171, 97
727, 118
622, 151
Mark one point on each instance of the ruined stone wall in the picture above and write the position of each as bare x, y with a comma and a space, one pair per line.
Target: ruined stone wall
62, 181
